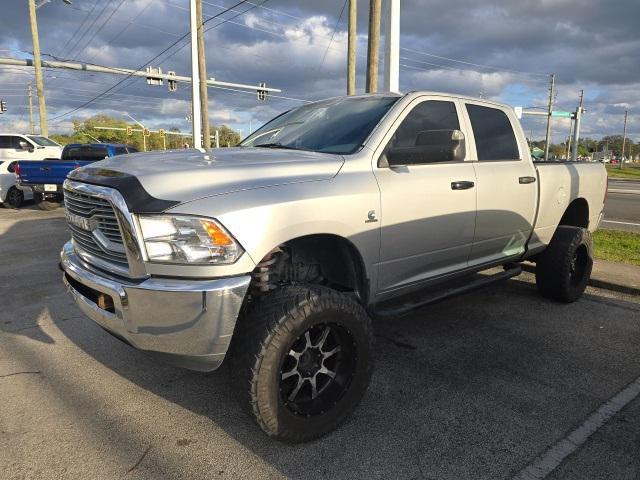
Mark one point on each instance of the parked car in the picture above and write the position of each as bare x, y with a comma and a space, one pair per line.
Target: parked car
15, 146
45, 178
11, 195
277, 253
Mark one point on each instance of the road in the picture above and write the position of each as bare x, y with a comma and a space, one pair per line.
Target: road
471, 389
622, 209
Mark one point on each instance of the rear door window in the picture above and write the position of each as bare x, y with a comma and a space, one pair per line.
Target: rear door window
5, 141
84, 153
493, 133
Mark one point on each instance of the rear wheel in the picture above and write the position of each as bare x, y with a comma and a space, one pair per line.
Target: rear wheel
564, 268
14, 199
47, 203
301, 361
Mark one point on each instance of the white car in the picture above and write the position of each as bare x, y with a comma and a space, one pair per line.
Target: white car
11, 195
15, 146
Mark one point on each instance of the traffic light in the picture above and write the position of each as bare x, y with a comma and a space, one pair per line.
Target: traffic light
172, 84
146, 132
161, 132
262, 94
129, 131
3, 106
151, 78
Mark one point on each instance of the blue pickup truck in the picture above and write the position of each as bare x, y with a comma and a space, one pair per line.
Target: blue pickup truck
45, 178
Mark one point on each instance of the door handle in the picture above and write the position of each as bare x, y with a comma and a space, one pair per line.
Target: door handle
462, 185
525, 180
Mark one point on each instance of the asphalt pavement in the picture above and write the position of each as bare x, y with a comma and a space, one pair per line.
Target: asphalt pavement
622, 208
477, 387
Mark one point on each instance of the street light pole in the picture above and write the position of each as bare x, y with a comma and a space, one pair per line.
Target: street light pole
30, 95
552, 92
38, 69
576, 128
624, 137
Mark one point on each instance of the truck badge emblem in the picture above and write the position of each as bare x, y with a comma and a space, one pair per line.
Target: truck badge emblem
371, 217
88, 224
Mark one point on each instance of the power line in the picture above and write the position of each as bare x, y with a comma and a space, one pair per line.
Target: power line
126, 27
101, 27
86, 17
473, 64
335, 29
146, 63
89, 27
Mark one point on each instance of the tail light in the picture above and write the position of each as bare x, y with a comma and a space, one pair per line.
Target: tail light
16, 170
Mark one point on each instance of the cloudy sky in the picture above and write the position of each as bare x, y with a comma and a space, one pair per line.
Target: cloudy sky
500, 49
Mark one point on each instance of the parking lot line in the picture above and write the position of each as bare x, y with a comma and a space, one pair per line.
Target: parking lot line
621, 223
546, 463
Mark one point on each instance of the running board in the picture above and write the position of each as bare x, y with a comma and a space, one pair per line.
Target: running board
406, 307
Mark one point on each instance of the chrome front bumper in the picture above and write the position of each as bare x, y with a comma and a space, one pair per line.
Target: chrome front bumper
188, 323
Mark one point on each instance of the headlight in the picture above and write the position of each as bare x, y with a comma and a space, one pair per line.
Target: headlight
184, 239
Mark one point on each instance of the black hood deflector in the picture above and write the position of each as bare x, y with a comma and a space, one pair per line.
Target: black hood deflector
137, 198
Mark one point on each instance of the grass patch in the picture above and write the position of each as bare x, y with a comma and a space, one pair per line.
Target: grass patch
617, 246
626, 172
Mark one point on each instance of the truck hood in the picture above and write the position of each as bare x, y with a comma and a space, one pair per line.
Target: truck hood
186, 175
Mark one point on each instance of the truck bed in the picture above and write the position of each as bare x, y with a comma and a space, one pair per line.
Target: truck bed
48, 171
560, 183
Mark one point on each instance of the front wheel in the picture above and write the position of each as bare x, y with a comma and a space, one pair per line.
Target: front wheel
14, 199
302, 360
564, 268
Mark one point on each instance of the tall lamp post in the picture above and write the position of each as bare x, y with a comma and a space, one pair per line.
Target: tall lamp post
42, 107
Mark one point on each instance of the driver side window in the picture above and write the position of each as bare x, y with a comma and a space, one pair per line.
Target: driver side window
430, 133
428, 115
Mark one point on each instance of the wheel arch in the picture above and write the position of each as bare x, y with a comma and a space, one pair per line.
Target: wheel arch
576, 214
340, 261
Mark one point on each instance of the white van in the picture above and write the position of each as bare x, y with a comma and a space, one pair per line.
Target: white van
15, 146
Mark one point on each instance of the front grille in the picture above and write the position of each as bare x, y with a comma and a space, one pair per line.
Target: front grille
103, 239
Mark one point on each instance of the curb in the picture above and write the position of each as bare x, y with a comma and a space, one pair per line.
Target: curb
624, 192
595, 282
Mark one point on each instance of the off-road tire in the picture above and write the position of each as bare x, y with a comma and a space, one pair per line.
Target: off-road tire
564, 268
46, 205
265, 336
14, 198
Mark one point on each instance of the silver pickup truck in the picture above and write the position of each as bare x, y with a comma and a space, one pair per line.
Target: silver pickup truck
278, 252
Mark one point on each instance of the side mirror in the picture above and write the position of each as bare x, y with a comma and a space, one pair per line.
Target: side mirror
25, 145
431, 146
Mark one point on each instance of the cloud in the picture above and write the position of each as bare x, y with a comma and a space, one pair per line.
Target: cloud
504, 51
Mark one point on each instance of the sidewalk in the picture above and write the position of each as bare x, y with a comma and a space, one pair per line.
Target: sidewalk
616, 276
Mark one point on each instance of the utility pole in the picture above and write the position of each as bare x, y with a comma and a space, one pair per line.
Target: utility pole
552, 93
392, 47
373, 45
624, 137
195, 82
38, 69
202, 67
576, 128
29, 94
568, 154
351, 47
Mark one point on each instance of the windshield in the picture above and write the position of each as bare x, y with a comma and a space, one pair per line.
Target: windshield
339, 125
43, 141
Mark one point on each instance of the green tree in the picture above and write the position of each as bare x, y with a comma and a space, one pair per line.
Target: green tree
89, 131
